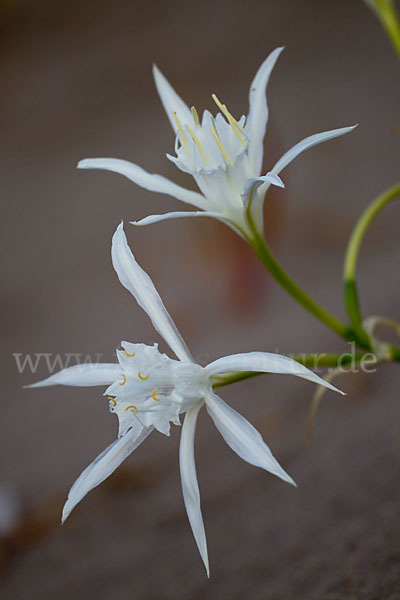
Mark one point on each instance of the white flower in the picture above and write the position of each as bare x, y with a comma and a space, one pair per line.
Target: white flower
148, 390
223, 155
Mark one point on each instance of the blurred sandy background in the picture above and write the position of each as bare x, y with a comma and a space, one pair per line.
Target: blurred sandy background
76, 82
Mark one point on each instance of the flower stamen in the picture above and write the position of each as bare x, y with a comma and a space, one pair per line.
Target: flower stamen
195, 116
127, 353
180, 129
232, 121
226, 112
143, 377
220, 146
111, 399
153, 395
131, 406
123, 382
196, 141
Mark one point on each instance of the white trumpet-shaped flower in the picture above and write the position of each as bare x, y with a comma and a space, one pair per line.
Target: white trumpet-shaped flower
224, 156
148, 390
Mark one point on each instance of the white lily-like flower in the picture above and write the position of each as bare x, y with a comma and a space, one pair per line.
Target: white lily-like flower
223, 155
148, 390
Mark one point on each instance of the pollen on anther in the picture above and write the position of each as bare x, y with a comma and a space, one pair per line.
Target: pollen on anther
127, 353
111, 399
143, 377
153, 395
232, 121
195, 116
131, 406
123, 382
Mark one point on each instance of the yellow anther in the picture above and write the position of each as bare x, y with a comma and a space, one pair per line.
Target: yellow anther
111, 399
131, 406
153, 395
196, 141
179, 126
235, 130
123, 382
127, 353
226, 112
195, 116
232, 121
220, 146
143, 377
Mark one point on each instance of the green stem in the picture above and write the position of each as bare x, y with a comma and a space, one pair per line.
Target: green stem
394, 353
308, 360
350, 262
263, 251
386, 13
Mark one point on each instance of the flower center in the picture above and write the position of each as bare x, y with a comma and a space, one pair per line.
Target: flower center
227, 138
154, 389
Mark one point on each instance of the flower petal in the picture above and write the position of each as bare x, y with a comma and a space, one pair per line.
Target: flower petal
265, 362
149, 181
258, 111
243, 438
253, 184
84, 375
175, 215
170, 100
190, 487
104, 465
149, 220
139, 284
307, 143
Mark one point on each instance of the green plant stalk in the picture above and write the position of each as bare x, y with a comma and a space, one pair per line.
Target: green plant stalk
353, 248
394, 353
308, 360
269, 261
386, 13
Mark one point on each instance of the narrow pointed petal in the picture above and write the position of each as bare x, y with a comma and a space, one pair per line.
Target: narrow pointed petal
84, 375
148, 181
243, 438
265, 362
253, 184
139, 284
307, 143
258, 112
104, 465
190, 486
171, 101
175, 215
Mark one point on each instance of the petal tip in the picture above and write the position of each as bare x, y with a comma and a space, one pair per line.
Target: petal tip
158, 76
120, 228
65, 513
118, 238
274, 179
37, 384
84, 163
289, 479
333, 388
